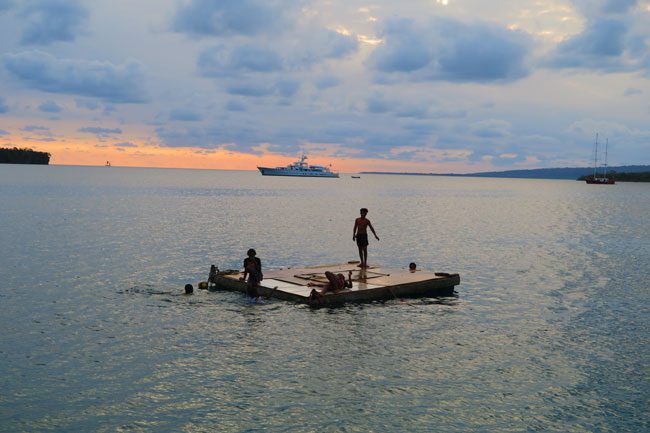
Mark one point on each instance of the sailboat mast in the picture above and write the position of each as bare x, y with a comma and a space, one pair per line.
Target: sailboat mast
605, 166
596, 156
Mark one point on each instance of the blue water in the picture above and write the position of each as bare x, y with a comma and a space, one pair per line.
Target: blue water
548, 331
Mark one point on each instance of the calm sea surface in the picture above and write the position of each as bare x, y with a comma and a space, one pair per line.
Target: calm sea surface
548, 332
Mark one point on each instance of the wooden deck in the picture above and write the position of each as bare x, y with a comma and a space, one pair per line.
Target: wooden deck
371, 284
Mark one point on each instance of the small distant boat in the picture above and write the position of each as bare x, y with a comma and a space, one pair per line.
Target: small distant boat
355, 177
597, 179
108, 164
299, 168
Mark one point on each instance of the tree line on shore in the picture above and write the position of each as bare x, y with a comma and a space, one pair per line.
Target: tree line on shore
23, 156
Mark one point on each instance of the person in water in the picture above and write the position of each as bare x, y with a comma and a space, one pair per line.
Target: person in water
413, 267
252, 269
335, 282
189, 289
360, 234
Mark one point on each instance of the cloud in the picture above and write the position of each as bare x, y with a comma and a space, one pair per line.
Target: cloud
50, 107
189, 137
247, 58
88, 104
4, 108
42, 71
615, 39
618, 6
319, 44
491, 128
287, 88
250, 89
222, 61
599, 46
185, 115
99, 131
326, 81
377, 103
200, 18
3, 132
284, 88
125, 144
47, 21
630, 91
33, 128
450, 50
233, 105
5, 4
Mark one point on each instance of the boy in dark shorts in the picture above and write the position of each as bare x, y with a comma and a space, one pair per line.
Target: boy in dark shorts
360, 234
252, 269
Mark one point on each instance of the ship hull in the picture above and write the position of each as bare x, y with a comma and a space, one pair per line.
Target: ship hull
267, 171
600, 181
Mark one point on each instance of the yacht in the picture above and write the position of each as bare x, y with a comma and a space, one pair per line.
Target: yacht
299, 168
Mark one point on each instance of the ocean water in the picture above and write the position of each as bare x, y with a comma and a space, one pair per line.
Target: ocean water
548, 331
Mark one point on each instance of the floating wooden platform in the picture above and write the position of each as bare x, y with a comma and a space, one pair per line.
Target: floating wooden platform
370, 284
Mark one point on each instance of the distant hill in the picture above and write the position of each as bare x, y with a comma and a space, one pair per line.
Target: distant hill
572, 173
23, 156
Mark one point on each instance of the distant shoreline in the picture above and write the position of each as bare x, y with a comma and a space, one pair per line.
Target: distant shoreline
565, 173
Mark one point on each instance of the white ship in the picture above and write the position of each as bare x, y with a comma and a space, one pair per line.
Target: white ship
299, 168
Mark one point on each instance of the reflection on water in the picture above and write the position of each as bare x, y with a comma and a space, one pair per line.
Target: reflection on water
546, 334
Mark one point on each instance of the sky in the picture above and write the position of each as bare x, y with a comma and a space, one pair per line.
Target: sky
443, 86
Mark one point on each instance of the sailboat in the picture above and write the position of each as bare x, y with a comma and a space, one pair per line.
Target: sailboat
596, 179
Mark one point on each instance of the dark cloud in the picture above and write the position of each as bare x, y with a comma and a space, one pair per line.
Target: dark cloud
615, 39
491, 128
450, 50
377, 103
412, 110
50, 107
3, 132
250, 89
287, 88
255, 58
47, 21
185, 115
244, 136
42, 71
4, 108
233, 17
222, 61
300, 54
88, 104
233, 105
618, 6
125, 144
32, 128
5, 4
630, 91
597, 47
284, 88
103, 132
208, 138
320, 44
326, 82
